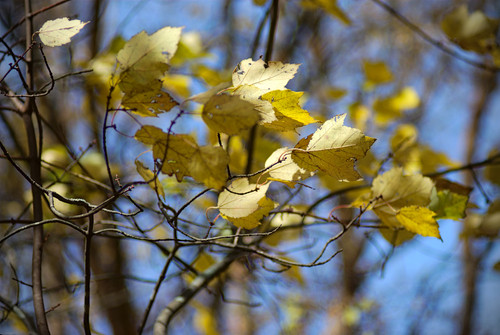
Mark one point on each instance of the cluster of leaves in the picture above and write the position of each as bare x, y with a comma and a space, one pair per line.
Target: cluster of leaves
257, 96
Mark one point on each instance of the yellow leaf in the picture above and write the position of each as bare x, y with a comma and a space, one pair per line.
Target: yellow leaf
473, 31
390, 108
377, 72
359, 115
209, 75
253, 95
149, 103
58, 32
287, 110
333, 149
404, 136
329, 6
176, 159
229, 114
148, 175
287, 170
419, 220
268, 77
244, 204
144, 58
395, 191
177, 84
208, 166
202, 98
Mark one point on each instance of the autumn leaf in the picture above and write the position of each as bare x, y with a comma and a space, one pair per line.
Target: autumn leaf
389, 108
394, 191
419, 220
253, 94
144, 58
286, 170
474, 31
229, 114
149, 103
376, 73
333, 149
245, 204
208, 166
287, 110
176, 159
265, 76
148, 175
58, 32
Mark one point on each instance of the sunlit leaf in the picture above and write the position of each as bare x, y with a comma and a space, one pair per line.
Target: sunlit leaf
268, 77
287, 110
229, 114
58, 32
144, 58
286, 170
244, 204
419, 220
333, 149
394, 190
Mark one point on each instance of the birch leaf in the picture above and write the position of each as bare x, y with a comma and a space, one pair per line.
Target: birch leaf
244, 204
267, 77
287, 110
229, 114
419, 220
333, 149
389, 108
58, 32
144, 58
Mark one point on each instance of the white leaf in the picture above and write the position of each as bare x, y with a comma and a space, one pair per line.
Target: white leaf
58, 32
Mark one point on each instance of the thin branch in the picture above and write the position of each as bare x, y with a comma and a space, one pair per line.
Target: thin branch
429, 39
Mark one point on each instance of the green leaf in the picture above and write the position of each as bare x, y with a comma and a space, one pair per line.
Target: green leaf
448, 205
